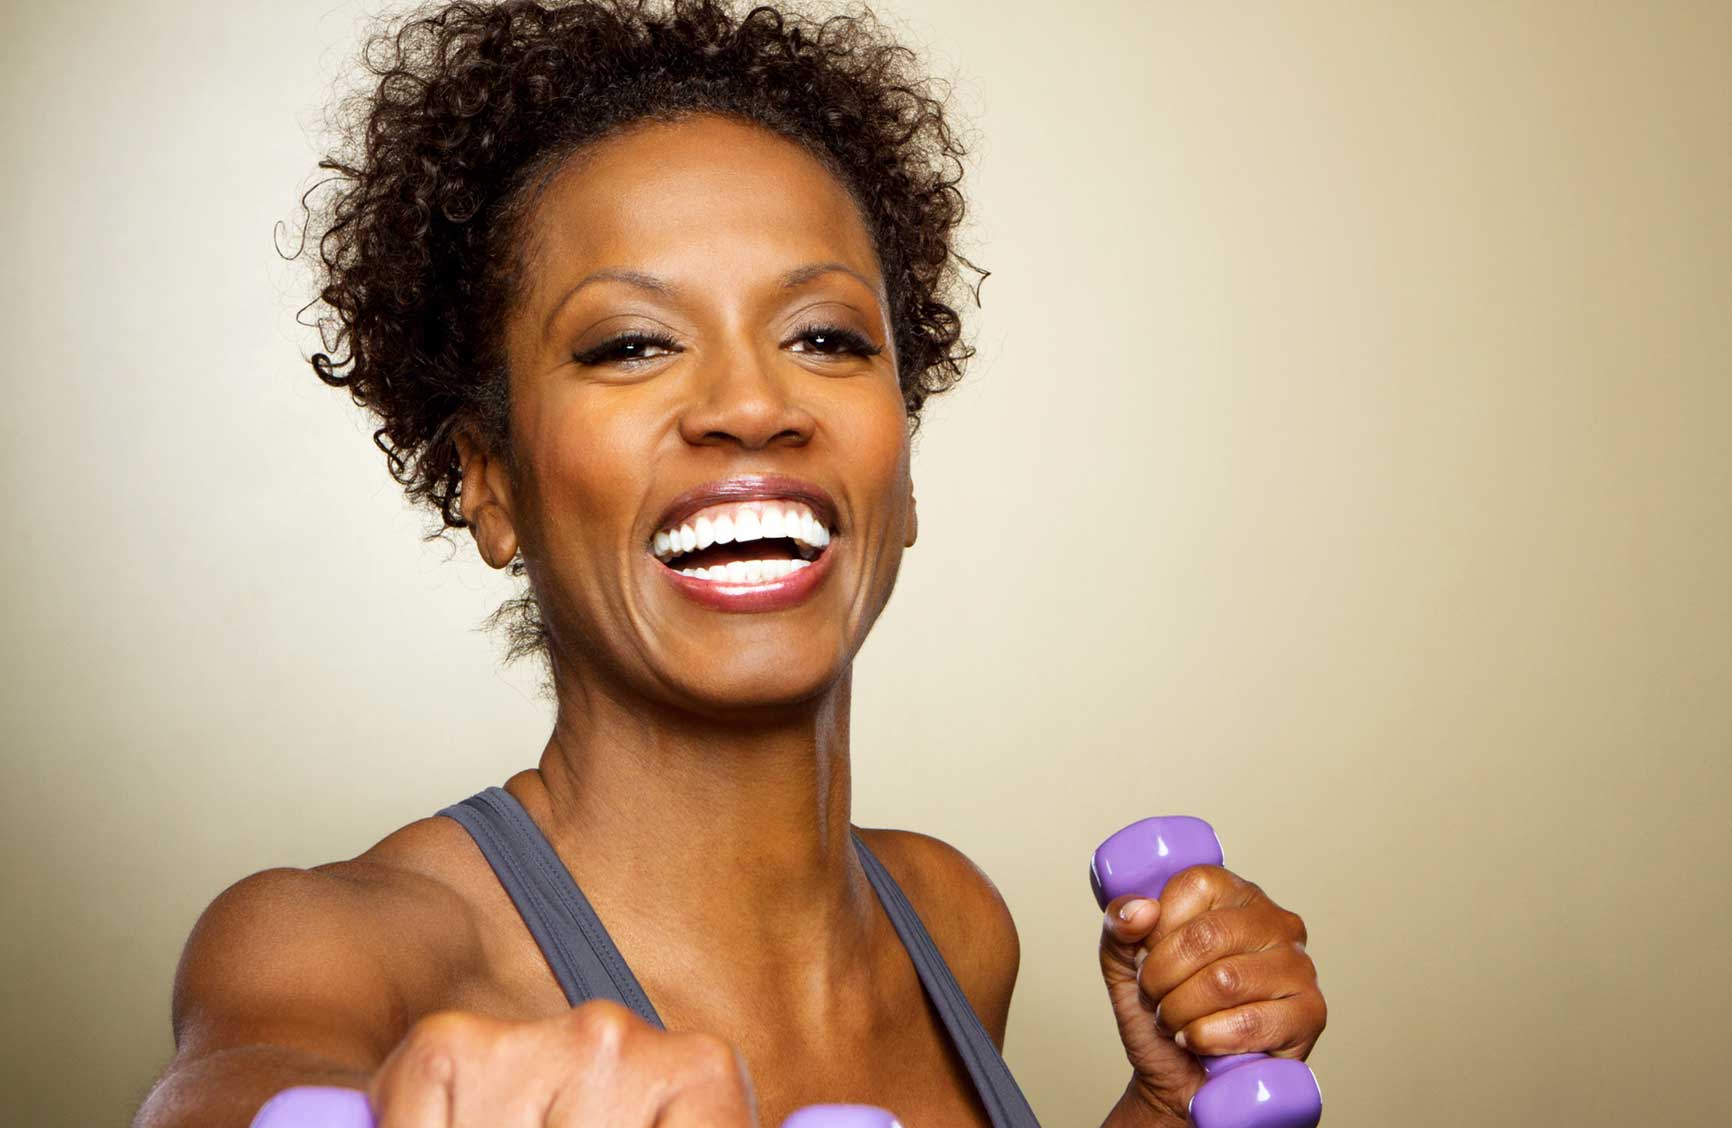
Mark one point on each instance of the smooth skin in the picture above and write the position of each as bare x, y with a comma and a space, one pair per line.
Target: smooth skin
696, 781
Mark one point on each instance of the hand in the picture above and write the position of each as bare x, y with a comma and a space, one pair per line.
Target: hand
596, 1064
1213, 968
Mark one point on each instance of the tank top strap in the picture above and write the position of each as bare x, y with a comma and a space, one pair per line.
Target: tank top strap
999, 1092
565, 927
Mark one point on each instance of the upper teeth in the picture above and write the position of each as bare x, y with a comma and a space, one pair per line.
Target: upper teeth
742, 521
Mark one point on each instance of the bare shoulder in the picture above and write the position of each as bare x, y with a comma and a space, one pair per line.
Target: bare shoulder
335, 959
964, 912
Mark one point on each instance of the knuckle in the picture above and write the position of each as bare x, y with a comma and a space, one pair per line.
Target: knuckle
1227, 979
1198, 881
1247, 1025
1295, 925
600, 1027
714, 1055
441, 1032
1201, 938
430, 1064
713, 1059
431, 1050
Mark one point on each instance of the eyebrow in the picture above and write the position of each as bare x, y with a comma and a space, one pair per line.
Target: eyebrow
796, 277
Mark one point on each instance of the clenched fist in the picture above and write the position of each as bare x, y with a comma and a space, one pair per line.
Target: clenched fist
596, 1064
1214, 968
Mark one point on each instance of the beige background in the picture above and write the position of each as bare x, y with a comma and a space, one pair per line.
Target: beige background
1345, 460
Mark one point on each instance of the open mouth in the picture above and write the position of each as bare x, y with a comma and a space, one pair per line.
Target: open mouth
745, 542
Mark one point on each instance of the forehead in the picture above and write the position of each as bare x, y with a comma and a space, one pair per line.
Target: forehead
699, 199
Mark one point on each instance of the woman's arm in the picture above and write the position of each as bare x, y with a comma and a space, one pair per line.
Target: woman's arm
285, 980
334, 977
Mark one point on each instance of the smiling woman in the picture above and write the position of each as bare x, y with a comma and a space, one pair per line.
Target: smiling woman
648, 301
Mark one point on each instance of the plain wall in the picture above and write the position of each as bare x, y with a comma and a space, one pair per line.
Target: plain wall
1345, 461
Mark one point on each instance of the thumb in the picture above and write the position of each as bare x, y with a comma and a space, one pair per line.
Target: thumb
1127, 924
1166, 1076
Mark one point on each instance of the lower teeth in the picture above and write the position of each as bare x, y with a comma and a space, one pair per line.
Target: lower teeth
746, 571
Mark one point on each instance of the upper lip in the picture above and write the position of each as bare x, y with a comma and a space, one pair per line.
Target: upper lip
749, 487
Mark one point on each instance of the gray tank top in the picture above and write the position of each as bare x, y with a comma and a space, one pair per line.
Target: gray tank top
588, 966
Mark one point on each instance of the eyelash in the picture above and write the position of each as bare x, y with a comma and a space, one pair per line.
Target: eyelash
847, 342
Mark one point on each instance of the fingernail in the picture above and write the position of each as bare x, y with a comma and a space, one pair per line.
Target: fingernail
1179, 1039
1129, 909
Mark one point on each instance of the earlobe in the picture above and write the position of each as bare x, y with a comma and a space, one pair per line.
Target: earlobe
913, 522
484, 499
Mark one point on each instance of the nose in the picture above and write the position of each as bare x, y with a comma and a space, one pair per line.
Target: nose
743, 399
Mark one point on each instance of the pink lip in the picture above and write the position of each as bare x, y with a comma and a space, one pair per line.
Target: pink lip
772, 595
750, 487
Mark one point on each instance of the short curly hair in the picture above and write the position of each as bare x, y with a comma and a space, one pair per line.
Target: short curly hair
466, 112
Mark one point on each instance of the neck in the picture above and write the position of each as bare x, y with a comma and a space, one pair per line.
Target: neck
675, 823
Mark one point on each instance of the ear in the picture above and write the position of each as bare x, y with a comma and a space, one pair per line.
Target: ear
484, 498
913, 532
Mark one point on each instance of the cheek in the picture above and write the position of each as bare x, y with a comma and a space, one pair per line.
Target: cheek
876, 435
588, 462
876, 447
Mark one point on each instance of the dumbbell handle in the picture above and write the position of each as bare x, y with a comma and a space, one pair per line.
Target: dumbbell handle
318, 1106
1243, 1090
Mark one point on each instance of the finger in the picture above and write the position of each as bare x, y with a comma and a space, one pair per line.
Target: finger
1278, 973
1215, 935
707, 1110
1126, 924
414, 1089
1283, 1027
714, 1090
1192, 892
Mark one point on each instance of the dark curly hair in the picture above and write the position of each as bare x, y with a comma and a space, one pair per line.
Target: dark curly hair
467, 111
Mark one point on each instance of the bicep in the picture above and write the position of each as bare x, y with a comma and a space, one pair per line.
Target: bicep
286, 958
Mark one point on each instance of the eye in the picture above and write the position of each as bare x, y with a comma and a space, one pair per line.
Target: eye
627, 348
834, 340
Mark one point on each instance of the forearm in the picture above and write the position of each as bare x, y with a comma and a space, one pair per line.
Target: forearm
226, 1089
1136, 1111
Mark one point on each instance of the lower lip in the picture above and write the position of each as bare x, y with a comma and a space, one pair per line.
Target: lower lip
772, 595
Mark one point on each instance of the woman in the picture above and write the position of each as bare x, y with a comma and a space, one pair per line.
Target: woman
649, 301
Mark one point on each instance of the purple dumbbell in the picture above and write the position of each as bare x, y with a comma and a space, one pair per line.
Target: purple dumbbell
1243, 1090
841, 1116
317, 1106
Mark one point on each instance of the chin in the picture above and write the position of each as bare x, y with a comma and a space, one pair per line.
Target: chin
753, 679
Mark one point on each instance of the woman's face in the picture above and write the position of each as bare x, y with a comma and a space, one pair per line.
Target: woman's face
702, 357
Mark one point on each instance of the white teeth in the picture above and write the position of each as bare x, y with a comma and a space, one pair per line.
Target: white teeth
743, 521
735, 572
